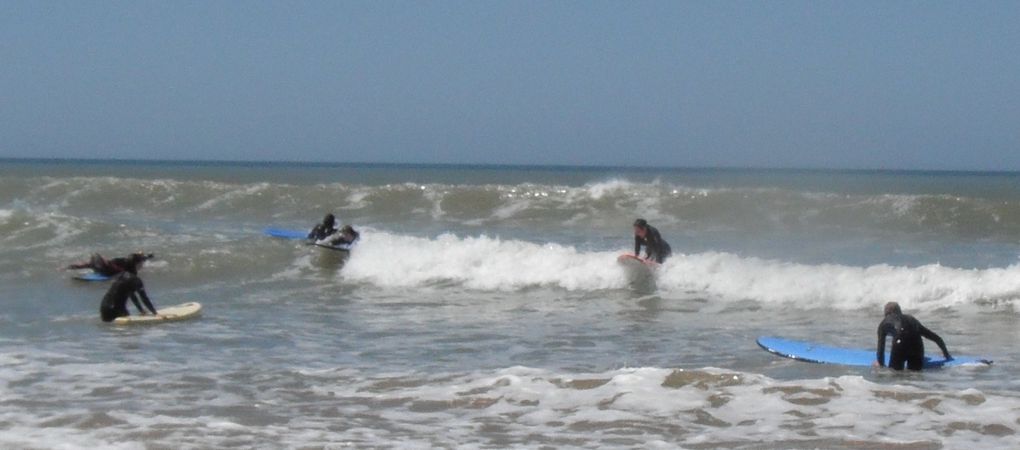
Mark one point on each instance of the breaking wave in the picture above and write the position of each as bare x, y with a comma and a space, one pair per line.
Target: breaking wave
488, 263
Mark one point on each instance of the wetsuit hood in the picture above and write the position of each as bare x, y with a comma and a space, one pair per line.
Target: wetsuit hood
893, 308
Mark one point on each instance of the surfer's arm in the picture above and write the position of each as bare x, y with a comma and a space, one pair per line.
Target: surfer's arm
937, 340
327, 238
880, 351
145, 299
83, 265
637, 246
138, 306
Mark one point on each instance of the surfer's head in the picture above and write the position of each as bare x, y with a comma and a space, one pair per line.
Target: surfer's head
892, 308
329, 220
348, 231
640, 227
136, 260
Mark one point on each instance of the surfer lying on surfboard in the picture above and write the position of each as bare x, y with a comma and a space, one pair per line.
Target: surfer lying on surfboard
907, 346
126, 285
645, 235
111, 267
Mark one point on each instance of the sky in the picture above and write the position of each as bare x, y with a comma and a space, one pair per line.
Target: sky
760, 84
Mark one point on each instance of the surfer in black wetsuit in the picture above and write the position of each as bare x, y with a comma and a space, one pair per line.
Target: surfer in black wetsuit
346, 236
907, 346
324, 229
656, 249
126, 285
111, 267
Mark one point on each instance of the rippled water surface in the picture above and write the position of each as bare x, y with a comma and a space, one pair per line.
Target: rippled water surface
484, 307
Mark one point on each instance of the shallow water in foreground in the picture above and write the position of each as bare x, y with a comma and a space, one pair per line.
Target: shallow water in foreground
494, 315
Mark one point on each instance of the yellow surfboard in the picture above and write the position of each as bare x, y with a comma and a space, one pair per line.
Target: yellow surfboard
183, 311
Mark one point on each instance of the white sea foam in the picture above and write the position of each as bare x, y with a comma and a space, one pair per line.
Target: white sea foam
41, 229
488, 263
730, 277
599, 190
224, 199
708, 406
479, 263
510, 407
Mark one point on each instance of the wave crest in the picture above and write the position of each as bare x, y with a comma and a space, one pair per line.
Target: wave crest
488, 263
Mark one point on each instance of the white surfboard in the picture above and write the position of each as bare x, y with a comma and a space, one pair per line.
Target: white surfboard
639, 272
638, 265
345, 248
183, 311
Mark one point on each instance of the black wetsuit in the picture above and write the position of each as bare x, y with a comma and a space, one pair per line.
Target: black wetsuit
114, 305
103, 266
343, 240
907, 346
321, 231
655, 247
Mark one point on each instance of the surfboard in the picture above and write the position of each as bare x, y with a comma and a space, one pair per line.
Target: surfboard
91, 276
824, 354
285, 233
629, 259
639, 273
166, 314
338, 248
636, 266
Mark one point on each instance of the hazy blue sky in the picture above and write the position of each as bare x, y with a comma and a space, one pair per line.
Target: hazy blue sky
912, 85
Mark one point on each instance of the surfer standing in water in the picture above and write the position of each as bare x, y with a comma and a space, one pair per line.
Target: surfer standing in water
907, 346
111, 267
656, 249
324, 229
126, 285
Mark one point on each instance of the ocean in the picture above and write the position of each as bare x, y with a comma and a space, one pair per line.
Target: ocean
484, 307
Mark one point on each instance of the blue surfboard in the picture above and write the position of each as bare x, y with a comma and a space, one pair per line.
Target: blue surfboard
285, 233
823, 354
92, 276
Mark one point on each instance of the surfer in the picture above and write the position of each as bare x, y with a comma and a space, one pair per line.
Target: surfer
111, 267
126, 285
346, 236
324, 229
907, 346
656, 249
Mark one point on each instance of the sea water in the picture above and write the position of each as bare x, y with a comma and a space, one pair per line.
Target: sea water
484, 308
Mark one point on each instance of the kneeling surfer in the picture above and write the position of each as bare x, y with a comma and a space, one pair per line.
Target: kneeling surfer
656, 249
126, 285
907, 346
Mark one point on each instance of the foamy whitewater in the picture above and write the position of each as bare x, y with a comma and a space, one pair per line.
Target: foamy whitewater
484, 308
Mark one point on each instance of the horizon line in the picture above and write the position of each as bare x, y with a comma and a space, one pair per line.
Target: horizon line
377, 164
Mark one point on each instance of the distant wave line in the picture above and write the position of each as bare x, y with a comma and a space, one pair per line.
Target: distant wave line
473, 166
